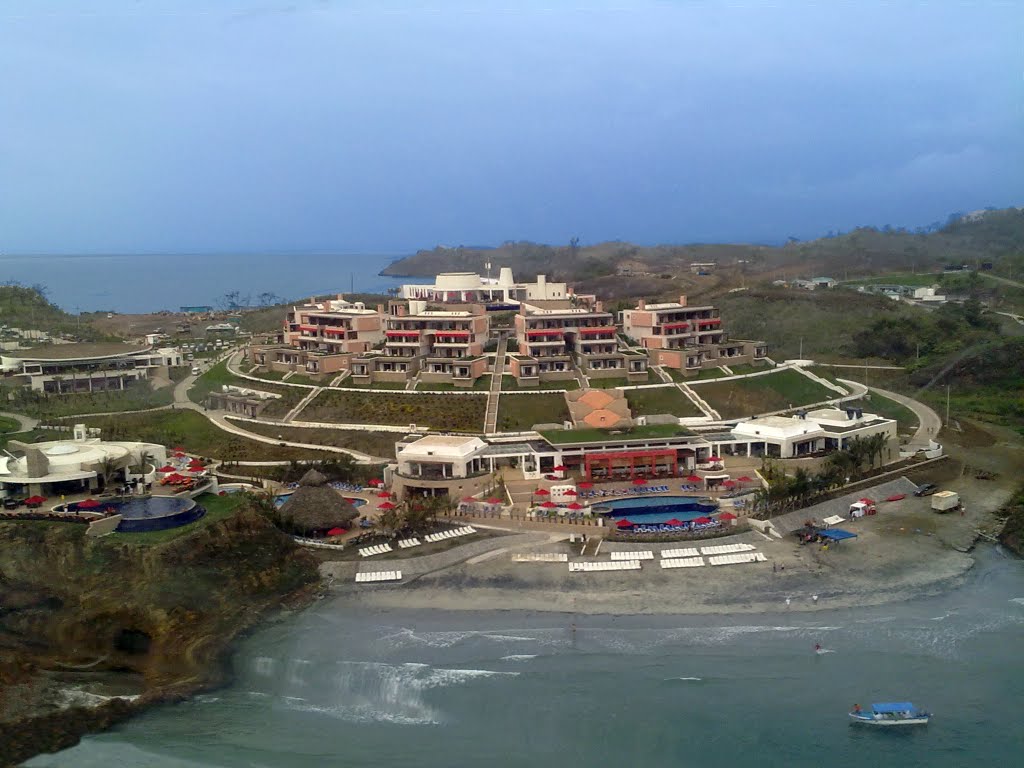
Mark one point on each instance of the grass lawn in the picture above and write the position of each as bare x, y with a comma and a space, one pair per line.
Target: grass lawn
760, 394
219, 375
196, 434
458, 413
518, 413
899, 278
373, 443
350, 384
269, 375
509, 384
137, 396
32, 436
572, 436
299, 378
906, 419
665, 399
217, 508
745, 368
8, 425
705, 374
482, 384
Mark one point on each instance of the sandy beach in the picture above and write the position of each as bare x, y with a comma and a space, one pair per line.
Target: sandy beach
903, 552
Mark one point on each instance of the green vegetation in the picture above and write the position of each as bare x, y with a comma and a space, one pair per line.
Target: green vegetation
482, 384
509, 384
136, 396
217, 508
611, 383
667, 399
518, 413
219, 375
648, 432
195, 433
708, 373
8, 425
27, 308
919, 279
1012, 535
761, 394
906, 419
350, 384
373, 443
456, 413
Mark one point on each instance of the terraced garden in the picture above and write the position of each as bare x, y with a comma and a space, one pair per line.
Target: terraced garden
779, 391
518, 413
219, 375
665, 399
373, 443
456, 413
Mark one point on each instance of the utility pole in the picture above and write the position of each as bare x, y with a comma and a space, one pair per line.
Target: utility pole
801, 347
947, 405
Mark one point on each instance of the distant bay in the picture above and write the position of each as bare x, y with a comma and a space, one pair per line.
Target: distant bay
138, 283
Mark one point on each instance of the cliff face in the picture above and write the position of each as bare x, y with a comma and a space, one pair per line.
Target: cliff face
1012, 536
165, 613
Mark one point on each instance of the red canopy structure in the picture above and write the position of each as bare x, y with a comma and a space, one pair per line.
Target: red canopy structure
468, 500
166, 469
703, 520
88, 504
383, 495
575, 505
744, 479
639, 481
694, 479
727, 516
729, 484
179, 454
32, 500
542, 492
549, 505
570, 492
623, 523
714, 458
674, 522
585, 484
494, 500
386, 505
336, 531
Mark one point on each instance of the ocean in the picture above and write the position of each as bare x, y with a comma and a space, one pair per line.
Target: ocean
149, 283
339, 685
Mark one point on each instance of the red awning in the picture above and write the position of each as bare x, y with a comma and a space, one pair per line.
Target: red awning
310, 328
399, 334
727, 516
598, 329
585, 484
542, 492
623, 523
35, 499
336, 331
336, 531
673, 326
546, 332
459, 334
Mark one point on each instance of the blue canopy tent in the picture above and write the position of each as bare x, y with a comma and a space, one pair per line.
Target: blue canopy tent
889, 707
836, 534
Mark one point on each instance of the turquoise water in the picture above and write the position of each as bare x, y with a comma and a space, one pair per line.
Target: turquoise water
344, 685
658, 509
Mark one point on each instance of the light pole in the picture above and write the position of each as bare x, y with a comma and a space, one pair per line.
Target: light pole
947, 405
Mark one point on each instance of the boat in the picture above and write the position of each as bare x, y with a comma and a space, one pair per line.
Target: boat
890, 714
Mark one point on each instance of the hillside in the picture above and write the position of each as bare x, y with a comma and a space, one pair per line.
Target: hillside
27, 308
996, 236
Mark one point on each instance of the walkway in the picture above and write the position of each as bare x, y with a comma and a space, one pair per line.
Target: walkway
928, 420
25, 423
494, 394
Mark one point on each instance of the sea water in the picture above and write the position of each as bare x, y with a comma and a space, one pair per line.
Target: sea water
149, 283
345, 686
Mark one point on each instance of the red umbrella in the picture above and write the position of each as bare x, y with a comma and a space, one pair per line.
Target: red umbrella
468, 500
585, 484
714, 458
178, 448
383, 495
703, 520
386, 505
376, 481
542, 492
88, 504
560, 468
727, 516
179, 455
744, 479
639, 481
494, 500
729, 483
35, 499
570, 492
694, 479
575, 505
623, 523
336, 531
674, 522
167, 469
549, 505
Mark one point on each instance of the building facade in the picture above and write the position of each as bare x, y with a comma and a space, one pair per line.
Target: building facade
687, 338
471, 288
63, 369
561, 339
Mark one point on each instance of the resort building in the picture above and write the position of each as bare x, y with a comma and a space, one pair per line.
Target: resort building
561, 339
240, 401
84, 368
320, 338
438, 465
471, 288
74, 465
440, 345
811, 432
687, 338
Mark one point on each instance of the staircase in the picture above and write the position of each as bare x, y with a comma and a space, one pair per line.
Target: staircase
820, 380
290, 416
494, 393
696, 399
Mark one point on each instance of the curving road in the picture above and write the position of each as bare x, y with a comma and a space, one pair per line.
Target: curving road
929, 422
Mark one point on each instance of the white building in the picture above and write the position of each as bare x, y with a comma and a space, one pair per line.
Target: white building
825, 429
471, 288
84, 368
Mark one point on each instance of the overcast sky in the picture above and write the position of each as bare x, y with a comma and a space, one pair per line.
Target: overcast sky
389, 126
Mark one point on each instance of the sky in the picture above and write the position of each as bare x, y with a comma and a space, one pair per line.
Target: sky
388, 126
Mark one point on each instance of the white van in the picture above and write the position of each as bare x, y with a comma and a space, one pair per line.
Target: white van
195, 370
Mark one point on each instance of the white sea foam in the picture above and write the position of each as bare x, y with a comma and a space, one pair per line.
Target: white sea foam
687, 679
823, 651
519, 657
1017, 600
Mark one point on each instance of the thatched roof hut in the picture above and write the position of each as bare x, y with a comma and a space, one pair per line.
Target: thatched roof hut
315, 506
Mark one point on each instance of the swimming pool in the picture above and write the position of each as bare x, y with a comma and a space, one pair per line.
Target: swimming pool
656, 509
155, 513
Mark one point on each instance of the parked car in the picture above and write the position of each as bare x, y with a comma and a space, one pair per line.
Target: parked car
926, 489
195, 370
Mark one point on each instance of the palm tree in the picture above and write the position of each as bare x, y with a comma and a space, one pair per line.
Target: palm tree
108, 467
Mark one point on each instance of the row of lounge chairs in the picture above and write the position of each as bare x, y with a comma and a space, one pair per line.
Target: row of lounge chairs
644, 555
540, 557
377, 549
363, 578
406, 543
453, 534
615, 565
336, 485
696, 562
726, 549
637, 490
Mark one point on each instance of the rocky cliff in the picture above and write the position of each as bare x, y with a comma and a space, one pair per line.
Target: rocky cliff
161, 614
1012, 536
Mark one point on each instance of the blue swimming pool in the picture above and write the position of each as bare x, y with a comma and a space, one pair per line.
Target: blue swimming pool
657, 509
155, 513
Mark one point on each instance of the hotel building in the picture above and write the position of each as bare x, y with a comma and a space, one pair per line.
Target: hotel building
687, 338
471, 288
63, 369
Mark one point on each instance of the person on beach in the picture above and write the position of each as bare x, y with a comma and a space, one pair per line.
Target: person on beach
817, 647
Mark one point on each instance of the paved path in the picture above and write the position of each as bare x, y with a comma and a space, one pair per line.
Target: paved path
491, 417
25, 423
928, 420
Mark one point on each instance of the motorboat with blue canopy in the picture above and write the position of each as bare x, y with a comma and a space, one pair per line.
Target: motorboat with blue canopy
890, 713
